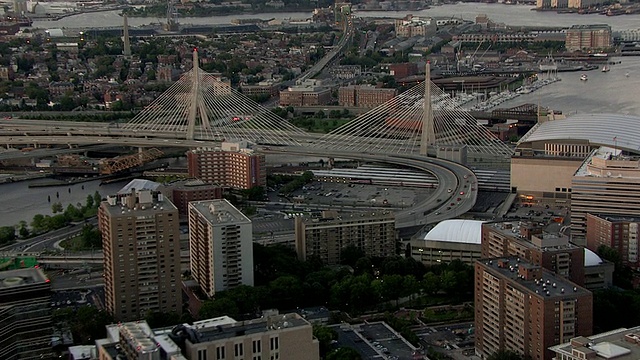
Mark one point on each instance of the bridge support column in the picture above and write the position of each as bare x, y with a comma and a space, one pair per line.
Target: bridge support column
428, 136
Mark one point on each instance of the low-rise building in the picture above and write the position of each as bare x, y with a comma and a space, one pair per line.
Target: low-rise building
588, 37
364, 95
184, 192
621, 344
308, 93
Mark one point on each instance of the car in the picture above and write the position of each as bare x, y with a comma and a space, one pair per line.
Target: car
461, 192
449, 190
459, 199
449, 208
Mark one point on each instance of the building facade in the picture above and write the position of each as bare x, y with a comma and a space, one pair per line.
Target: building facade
283, 337
25, 298
617, 232
604, 184
364, 95
528, 242
184, 192
410, 26
141, 246
309, 93
221, 246
326, 237
526, 309
232, 165
588, 37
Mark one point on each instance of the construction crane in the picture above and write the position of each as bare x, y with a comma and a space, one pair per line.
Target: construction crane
126, 162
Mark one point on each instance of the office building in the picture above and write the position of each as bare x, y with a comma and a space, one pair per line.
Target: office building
25, 297
524, 308
184, 192
617, 232
588, 37
287, 336
141, 247
364, 95
326, 237
606, 183
221, 246
528, 242
410, 26
309, 93
621, 344
449, 240
233, 165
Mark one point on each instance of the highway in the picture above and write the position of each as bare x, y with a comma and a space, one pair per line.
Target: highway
336, 51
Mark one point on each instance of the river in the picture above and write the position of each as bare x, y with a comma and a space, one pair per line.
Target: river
508, 14
22, 203
603, 92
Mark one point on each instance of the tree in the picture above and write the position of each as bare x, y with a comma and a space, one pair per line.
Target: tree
57, 207
218, 307
350, 255
73, 213
90, 201
91, 237
39, 223
505, 355
431, 283
97, 198
325, 336
344, 353
7, 234
23, 230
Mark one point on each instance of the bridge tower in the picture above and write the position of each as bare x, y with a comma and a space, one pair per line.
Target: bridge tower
197, 109
428, 137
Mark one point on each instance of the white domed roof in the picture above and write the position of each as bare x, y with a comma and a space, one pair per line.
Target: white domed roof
591, 258
462, 231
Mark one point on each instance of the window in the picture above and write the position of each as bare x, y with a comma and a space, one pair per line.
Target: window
202, 354
238, 349
257, 346
274, 343
220, 353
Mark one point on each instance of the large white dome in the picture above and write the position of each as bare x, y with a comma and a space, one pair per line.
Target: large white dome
462, 231
591, 258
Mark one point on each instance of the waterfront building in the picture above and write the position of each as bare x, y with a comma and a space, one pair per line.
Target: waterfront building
221, 246
607, 183
524, 308
617, 232
588, 37
621, 344
410, 26
25, 297
529, 242
364, 95
141, 247
184, 192
233, 165
326, 237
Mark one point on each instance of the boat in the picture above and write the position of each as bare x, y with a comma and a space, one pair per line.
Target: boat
605, 69
627, 74
584, 77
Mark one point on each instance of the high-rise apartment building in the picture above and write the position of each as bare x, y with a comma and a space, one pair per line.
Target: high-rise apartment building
528, 241
588, 37
141, 247
617, 232
221, 246
523, 308
25, 313
604, 184
232, 165
326, 237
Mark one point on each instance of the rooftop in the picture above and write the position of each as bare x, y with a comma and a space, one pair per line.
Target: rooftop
219, 211
620, 344
139, 185
456, 230
547, 283
274, 322
330, 217
21, 277
544, 241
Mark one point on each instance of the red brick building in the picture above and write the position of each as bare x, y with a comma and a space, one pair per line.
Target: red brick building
184, 192
364, 95
230, 166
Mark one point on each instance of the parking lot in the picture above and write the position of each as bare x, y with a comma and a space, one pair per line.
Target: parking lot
76, 298
374, 341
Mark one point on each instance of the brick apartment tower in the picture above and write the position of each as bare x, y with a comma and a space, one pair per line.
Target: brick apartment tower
523, 308
529, 242
141, 246
230, 166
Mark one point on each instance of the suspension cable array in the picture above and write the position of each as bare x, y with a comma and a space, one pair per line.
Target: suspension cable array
396, 127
